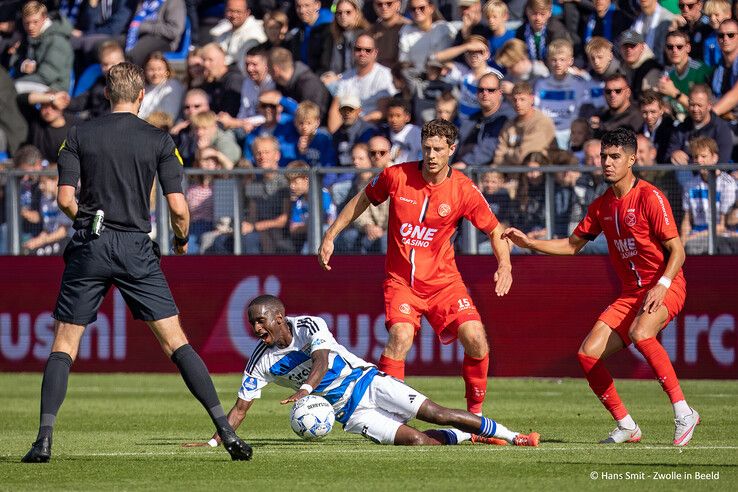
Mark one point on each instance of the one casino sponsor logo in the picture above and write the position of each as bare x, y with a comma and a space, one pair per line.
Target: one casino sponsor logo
444, 209
626, 247
417, 236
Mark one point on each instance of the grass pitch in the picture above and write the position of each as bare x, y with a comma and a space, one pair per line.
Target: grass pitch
123, 432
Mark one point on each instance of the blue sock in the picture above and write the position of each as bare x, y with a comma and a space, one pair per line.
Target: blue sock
488, 427
450, 436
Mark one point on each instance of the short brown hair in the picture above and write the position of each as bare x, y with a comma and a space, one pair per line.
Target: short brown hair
305, 110
512, 52
522, 87
597, 43
649, 96
440, 128
33, 7
124, 82
297, 169
158, 55
703, 143
280, 57
161, 120
539, 5
679, 33
704, 89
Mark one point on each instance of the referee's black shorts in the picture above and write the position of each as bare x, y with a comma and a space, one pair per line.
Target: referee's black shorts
127, 260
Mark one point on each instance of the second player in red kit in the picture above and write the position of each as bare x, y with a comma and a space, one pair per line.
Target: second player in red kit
427, 201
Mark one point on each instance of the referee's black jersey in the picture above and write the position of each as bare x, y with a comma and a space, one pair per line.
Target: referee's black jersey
116, 157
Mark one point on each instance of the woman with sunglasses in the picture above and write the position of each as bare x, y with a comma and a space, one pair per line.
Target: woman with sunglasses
428, 34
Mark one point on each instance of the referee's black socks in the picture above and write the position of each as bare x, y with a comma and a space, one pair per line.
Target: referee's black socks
53, 390
198, 380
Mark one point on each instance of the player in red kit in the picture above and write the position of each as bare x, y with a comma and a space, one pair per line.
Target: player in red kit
644, 246
427, 200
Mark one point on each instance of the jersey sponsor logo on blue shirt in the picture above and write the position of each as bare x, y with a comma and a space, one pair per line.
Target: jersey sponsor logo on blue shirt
249, 384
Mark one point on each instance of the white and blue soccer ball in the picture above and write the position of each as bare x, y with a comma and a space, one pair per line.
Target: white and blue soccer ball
312, 417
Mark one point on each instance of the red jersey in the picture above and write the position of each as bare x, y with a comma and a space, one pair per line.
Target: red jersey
422, 221
635, 227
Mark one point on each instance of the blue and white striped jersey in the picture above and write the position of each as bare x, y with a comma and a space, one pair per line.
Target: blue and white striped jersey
343, 385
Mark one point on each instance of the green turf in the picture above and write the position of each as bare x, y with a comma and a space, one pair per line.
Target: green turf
124, 432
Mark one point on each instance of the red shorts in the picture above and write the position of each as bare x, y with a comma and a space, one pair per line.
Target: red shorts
620, 314
445, 310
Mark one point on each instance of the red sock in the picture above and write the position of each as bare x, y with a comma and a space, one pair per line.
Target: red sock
474, 372
659, 361
395, 368
602, 384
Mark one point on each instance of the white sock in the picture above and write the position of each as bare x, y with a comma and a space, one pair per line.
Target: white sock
503, 432
461, 436
681, 409
627, 422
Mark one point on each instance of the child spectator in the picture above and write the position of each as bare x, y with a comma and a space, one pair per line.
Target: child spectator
561, 95
580, 133
446, 107
404, 136
56, 226
518, 66
203, 133
492, 186
602, 64
297, 176
530, 130
696, 200
529, 209
314, 144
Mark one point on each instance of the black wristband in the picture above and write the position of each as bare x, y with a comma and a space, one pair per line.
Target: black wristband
178, 241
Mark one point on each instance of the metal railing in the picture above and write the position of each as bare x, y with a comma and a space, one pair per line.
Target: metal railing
233, 181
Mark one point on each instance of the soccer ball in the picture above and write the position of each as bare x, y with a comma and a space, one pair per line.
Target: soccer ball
312, 417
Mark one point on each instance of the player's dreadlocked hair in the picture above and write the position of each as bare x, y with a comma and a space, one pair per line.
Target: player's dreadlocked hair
440, 128
621, 137
271, 302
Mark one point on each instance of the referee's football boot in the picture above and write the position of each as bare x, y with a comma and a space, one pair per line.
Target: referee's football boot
236, 447
620, 435
40, 451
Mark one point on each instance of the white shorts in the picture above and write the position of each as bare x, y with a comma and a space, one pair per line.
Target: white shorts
386, 405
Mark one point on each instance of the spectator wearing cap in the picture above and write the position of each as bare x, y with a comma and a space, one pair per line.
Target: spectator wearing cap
222, 82
539, 29
606, 21
368, 80
296, 80
620, 110
683, 73
560, 95
311, 42
700, 122
238, 32
653, 24
353, 130
640, 67
658, 125
428, 34
530, 130
465, 76
479, 136
386, 31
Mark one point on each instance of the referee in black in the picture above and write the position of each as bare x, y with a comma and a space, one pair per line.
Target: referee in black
115, 158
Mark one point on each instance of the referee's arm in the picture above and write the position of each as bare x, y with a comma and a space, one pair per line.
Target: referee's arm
179, 215
67, 201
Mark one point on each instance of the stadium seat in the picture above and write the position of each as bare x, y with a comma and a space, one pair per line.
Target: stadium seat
184, 45
87, 79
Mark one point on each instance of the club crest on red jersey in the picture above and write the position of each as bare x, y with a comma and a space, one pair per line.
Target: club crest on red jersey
444, 209
630, 219
404, 308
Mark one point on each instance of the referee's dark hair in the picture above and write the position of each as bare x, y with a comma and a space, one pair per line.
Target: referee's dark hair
124, 82
621, 137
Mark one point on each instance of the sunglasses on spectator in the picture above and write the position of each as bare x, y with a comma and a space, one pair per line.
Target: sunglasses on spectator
267, 105
675, 46
723, 35
384, 4
616, 91
686, 6
192, 106
361, 49
475, 52
378, 153
491, 90
420, 8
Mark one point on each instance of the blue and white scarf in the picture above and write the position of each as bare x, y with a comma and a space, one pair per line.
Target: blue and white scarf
70, 10
717, 78
148, 11
535, 52
606, 26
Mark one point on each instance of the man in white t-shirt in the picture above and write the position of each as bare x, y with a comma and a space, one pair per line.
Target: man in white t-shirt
368, 80
238, 32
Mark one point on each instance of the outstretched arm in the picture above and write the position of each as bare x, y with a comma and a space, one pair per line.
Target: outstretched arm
317, 372
503, 275
560, 247
350, 212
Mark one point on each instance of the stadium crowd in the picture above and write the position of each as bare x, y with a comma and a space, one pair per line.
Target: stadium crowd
279, 84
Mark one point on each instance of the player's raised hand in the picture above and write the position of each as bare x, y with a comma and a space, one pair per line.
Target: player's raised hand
654, 299
518, 237
325, 253
296, 396
503, 280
